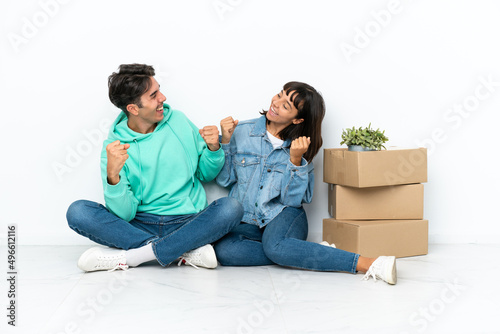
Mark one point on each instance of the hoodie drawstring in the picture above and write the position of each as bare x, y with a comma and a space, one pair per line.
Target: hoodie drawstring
140, 168
186, 152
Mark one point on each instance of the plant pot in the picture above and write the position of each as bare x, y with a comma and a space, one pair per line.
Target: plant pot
359, 148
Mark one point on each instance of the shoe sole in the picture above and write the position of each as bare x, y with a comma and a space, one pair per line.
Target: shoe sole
393, 277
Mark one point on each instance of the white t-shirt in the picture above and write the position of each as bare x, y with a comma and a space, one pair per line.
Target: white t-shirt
275, 141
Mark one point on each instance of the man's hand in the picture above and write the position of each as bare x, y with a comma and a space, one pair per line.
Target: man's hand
227, 126
117, 155
298, 148
210, 135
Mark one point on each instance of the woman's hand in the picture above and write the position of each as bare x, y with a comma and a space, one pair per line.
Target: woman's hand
227, 126
298, 148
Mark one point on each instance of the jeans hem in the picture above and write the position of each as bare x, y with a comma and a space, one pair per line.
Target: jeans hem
355, 263
153, 245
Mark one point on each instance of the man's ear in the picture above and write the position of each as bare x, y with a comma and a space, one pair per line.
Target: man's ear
298, 121
133, 109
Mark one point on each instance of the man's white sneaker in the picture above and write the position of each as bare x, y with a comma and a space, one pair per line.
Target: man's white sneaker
200, 257
98, 258
384, 267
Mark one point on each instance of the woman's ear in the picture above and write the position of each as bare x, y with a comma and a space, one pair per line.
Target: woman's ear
298, 121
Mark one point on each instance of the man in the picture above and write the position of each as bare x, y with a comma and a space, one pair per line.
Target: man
152, 166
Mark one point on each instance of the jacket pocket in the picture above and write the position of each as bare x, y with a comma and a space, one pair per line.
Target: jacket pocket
277, 175
245, 166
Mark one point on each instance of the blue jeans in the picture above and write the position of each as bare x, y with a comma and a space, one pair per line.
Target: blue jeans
171, 236
283, 242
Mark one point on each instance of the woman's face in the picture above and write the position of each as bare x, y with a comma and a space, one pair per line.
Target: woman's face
282, 111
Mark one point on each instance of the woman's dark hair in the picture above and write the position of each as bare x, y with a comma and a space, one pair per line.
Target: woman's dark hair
128, 84
311, 108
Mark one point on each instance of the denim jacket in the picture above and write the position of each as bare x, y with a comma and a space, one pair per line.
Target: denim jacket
262, 178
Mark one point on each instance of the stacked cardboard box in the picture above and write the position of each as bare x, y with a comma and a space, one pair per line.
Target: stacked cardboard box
376, 200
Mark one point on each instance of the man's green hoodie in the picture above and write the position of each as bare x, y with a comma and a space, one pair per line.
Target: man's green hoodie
163, 171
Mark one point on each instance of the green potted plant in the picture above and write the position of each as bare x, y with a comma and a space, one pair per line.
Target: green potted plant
366, 139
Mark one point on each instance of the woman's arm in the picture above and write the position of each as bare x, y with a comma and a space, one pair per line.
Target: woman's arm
298, 184
227, 175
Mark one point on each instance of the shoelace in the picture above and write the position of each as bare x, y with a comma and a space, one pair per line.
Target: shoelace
121, 266
186, 261
109, 262
371, 272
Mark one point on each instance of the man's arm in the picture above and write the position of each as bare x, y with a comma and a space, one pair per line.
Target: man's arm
120, 199
116, 155
211, 156
210, 135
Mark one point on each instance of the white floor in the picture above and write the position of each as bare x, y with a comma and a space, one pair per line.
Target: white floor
454, 289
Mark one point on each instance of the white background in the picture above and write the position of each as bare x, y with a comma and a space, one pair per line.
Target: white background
410, 63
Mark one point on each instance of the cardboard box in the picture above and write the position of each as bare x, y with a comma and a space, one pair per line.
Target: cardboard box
374, 238
375, 168
390, 202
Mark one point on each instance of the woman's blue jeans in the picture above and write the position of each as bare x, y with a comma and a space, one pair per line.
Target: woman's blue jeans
283, 242
170, 236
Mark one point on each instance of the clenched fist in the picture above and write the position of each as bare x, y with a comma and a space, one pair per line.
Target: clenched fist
117, 155
210, 135
227, 126
298, 148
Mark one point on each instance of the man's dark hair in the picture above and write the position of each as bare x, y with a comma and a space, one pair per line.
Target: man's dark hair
128, 84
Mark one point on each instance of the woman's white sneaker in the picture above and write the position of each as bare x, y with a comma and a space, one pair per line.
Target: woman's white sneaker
384, 267
98, 258
325, 243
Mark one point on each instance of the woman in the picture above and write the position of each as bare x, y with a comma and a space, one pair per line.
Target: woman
269, 170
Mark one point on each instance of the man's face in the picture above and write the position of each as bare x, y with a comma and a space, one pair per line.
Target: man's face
151, 111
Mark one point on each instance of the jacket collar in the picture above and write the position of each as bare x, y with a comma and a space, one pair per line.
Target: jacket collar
259, 130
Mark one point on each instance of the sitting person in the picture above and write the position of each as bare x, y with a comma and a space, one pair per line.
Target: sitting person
152, 166
269, 170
